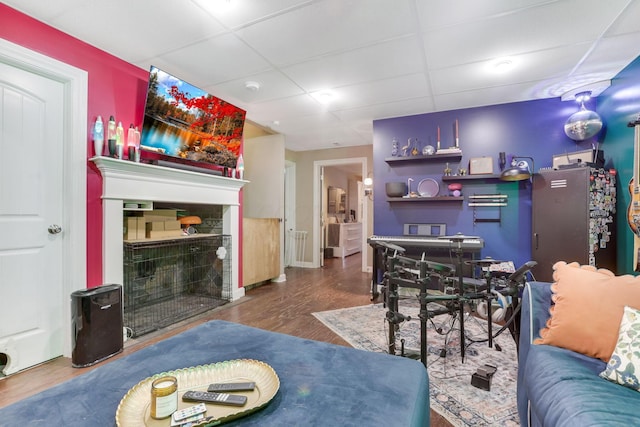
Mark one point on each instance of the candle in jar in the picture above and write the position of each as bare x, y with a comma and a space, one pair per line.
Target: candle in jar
164, 397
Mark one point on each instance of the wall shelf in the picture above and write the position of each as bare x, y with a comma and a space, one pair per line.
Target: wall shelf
470, 177
425, 199
434, 157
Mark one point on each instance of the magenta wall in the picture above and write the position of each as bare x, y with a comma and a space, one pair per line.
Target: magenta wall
115, 88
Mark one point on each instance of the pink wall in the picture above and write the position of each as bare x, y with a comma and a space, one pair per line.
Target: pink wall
115, 88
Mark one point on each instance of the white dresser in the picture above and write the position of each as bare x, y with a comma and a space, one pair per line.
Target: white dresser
345, 239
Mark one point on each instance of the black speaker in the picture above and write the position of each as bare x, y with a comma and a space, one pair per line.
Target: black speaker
96, 322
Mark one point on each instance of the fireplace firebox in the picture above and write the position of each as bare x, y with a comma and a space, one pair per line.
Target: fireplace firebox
170, 280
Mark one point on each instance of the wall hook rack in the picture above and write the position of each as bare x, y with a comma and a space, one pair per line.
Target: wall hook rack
487, 200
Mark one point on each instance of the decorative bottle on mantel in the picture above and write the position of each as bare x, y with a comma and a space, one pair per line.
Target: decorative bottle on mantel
120, 141
131, 143
98, 136
111, 136
240, 166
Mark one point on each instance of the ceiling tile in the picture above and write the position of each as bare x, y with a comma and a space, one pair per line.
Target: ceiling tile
381, 91
328, 26
219, 59
407, 107
374, 62
273, 85
238, 13
495, 95
610, 55
443, 13
304, 123
295, 106
136, 30
529, 67
527, 30
627, 21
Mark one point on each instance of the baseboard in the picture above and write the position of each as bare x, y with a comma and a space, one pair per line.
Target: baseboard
280, 279
237, 294
302, 264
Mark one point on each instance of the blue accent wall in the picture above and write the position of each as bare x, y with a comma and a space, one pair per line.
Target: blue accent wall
533, 129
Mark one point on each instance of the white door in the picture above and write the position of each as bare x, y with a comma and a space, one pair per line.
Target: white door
31, 216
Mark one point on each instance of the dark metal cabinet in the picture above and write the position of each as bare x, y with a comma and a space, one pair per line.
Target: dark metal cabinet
573, 219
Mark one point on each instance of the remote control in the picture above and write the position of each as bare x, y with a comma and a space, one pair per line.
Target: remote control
187, 422
182, 414
219, 398
225, 387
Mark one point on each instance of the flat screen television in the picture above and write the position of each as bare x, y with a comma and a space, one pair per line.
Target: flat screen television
182, 121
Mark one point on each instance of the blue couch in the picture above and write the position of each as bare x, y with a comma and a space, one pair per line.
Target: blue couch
558, 387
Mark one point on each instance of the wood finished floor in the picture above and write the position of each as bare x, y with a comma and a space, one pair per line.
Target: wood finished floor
281, 307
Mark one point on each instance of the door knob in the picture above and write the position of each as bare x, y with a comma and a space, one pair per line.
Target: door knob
54, 229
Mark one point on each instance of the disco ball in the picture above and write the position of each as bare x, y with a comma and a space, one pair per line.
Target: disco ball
582, 125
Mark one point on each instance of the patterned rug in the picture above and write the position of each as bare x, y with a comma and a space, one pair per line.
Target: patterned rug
452, 394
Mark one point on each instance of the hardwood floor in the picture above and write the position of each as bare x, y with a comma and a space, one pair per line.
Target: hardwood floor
281, 307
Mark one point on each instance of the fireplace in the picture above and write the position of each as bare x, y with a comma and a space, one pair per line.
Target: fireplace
125, 183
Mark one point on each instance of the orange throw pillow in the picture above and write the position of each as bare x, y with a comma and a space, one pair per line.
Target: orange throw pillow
589, 304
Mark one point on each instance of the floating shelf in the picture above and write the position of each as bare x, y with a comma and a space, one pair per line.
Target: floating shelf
421, 158
470, 177
425, 199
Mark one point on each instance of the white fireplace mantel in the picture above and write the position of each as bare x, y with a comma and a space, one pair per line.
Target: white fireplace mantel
126, 181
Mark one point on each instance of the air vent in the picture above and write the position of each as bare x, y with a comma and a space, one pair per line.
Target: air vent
559, 183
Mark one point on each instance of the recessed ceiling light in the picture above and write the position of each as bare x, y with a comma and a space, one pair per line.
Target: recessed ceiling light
502, 65
324, 96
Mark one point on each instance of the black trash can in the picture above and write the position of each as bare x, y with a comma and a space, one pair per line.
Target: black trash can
96, 322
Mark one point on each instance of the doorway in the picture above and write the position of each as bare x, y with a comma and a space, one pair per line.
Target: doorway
360, 168
42, 217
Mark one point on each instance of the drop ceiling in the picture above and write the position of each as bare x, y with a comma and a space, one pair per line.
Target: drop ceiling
379, 58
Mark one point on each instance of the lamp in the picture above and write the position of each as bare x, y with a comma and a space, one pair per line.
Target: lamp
519, 170
368, 187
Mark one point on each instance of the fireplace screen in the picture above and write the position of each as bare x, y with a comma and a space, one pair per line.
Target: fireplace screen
166, 281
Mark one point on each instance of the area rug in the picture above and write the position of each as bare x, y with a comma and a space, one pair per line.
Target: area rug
451, 392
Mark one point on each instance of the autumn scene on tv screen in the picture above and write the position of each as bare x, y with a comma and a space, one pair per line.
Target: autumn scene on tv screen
183, 121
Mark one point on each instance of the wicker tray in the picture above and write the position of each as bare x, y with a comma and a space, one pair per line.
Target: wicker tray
134, 408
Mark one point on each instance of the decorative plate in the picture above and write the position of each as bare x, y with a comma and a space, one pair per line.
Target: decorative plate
134, 408
428, 188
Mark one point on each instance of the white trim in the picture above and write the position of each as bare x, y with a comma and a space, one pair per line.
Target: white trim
279, 279
74, 224
317, 168
289, 212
